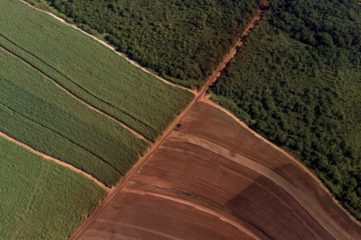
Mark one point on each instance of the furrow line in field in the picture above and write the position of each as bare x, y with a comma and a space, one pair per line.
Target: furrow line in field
79, 99
137, 65
75, 83
157, 185
161, 234
201, 201
308, 204
209, 211
288, 155
57, 161
61, 135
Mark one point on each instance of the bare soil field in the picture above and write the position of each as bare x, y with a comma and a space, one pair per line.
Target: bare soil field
213, 178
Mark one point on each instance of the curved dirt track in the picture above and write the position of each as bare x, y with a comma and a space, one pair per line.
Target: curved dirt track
215, 179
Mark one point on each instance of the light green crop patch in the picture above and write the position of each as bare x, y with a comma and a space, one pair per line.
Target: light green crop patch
36, 112
39, 199
51, 74
90, 70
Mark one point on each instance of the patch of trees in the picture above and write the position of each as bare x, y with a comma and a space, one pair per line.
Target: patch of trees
326, 23
298, 82
182, 40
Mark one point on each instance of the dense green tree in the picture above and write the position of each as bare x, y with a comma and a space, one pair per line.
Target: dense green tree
182, 40
298, 82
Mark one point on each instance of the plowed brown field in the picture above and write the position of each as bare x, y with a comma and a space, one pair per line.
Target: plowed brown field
213, 178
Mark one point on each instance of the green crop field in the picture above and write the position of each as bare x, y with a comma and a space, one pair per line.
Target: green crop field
50, 77
68, 96
39, 199
35, 111
182, 40
89, 70
298, 82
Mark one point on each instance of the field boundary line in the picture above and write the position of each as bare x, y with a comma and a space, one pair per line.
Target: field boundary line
198, 96
104, 43
69, 93
55, 160
298, 163
196, 206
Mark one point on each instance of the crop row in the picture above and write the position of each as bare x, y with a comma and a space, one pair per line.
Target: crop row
38, 113
89, 70
39, 199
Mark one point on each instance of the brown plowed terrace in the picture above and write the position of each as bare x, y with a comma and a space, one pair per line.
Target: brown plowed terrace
213, 178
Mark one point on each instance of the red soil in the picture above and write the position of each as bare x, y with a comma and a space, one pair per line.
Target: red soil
213, 178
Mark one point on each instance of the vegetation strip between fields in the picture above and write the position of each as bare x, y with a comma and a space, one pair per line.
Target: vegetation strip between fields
57, 161
68, 92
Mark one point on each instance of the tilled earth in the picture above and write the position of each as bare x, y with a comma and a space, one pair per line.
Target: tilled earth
213, 178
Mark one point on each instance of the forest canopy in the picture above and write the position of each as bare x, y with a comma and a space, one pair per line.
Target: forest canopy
298, 82
182, 40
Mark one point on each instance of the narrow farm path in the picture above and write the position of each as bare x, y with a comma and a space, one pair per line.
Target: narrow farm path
69, 93
111, 47
57, 161
200, 94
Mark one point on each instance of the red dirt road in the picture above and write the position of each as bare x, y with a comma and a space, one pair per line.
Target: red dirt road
198, 96
214, 179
